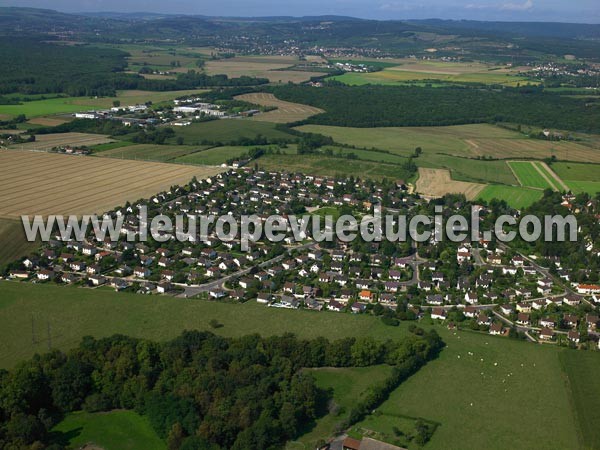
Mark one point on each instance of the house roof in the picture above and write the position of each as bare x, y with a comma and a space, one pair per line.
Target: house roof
372, 444
351, 443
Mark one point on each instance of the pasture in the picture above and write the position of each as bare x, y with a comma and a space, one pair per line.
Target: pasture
438, 182
150, 152
471, 141
45, 142
491, 392
517, 197
14, 242
114, 430
584, 390
73, 312
228, 131
286, 112
47, 183
527, 376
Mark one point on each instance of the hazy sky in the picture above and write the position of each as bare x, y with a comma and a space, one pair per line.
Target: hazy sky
587, 11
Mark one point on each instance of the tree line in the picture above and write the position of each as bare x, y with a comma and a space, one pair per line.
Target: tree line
199, 391
387, 106
35, 67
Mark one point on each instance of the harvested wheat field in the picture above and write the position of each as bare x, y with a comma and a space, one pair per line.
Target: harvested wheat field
270, 67
45, 142
47, 183
48, 121
286, 112
438, 182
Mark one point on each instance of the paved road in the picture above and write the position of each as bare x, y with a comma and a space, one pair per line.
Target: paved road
191, 291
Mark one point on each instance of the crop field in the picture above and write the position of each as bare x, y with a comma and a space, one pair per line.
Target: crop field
537, 149
477, 140
527, 375
330, 166
549, 174
66, 105
225, 131
47, 121
214, 156
367, 155
114, 430
286, 112
393, 76
438, 182
150, 152
45, 142
46, 183
270, 67
529, 174
517, 197
473, 170
398, 71
579, 177
219, 155
14, 243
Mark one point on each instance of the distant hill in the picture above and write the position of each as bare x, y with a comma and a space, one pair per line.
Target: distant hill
494, 41
540, 29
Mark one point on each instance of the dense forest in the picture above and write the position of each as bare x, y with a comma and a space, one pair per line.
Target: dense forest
34, 67
384, 106
199, 391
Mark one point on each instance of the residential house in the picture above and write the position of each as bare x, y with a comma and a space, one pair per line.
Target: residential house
547, 322
496, 329
574, 336
523, 319
334, 305
264, 298
471, 298
439, 313
546, 334
571, 320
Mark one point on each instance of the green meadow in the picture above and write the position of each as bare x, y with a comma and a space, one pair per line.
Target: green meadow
528, 175
579, 177
115, 430
66, 105
517, 197
227, 131
500, 391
